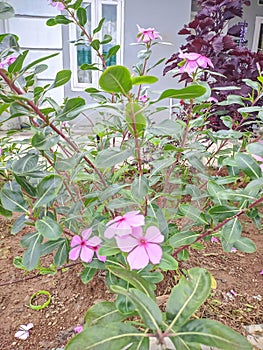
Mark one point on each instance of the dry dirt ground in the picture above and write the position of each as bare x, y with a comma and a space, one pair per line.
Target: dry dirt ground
237, 300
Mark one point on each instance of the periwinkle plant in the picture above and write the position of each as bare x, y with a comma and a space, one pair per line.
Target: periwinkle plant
134, 196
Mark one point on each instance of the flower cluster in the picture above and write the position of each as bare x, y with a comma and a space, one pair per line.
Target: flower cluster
147, 35
130, 238
192, 61
85, 248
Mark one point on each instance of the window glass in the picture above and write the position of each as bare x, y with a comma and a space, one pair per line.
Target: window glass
109, 12
84, 52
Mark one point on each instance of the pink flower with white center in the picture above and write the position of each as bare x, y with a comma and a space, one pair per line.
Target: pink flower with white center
85, 247
193, 61
59, 5
143, 98
142, 248
122, 225
23, 332
7, 61
147, 35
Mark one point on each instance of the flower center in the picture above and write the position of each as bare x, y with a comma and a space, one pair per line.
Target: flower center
142, 242
83, 243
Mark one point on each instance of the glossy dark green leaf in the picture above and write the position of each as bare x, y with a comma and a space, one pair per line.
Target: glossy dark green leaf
62, 254
32, 254
82, 16
48, 228
18, 63
186, 93
87, 274
245, 245
44, 142
13, 200
103, 313
62, 78
18, 225
25, 165
146, 307
115, 335
98, 28
213, 333
47, 190
168, 263
231, 231
248, 165
187, 296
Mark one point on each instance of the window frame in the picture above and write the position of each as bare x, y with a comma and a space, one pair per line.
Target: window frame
96, 15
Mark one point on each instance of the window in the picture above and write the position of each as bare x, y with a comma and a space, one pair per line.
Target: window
112, 11
257, 45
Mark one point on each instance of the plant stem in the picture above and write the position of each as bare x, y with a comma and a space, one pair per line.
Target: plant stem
220, 225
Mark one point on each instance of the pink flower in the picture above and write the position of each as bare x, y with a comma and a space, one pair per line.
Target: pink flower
143, 248
23, 332
78, 329
194, 61
143, 98
214, 239
7, 61
233, 250
212, 99
85, 248
60, 6
147, 35
122, 225
261, 272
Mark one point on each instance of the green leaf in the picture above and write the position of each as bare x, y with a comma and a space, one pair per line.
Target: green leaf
32, 254
134, 279
71, 109
221, 212
95, 44
144, 79
82, 16
6, 213
62, 253
62, 78
18, 263
193, 213
168, 263
245, 245
167, 127
183, 238
50, 246
110, 191
116, 79
76, 4
59, 19
113, 336
6, 10
18, 225
98, 28
231, 231
140, 187
47, 190
186, 93
112, 156
106, 39
147, 308
93, 66
248, 165
48, 228
13, 200
187, 296
136, 121
103, 313
213, 333
87, 274
39, 60
44, 142
18, 63
112, 51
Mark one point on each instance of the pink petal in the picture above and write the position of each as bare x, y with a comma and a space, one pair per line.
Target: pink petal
192, 56
134, 220
22, 335
86, 254
126, 243
112, 231
154, 235
261, 272
86, 233
94, 241
137, 232
76, 240
154, 252
118, 218
28, 326
74, 253
78, 329
138, 258
258, 158
100, 257
61, 7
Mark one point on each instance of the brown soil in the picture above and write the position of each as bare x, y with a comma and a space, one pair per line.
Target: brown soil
237, 300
